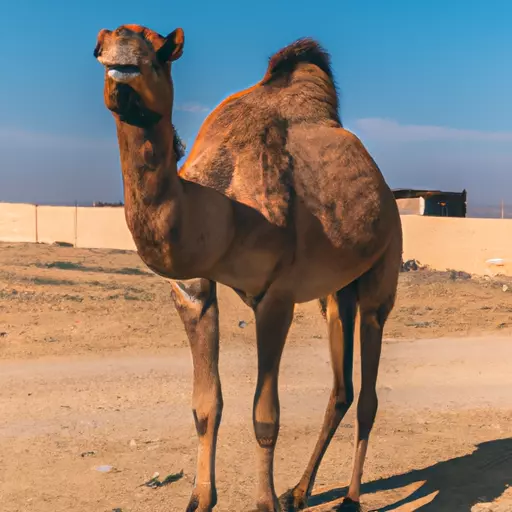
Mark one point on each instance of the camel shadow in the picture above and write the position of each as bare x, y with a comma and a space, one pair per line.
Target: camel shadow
460, 483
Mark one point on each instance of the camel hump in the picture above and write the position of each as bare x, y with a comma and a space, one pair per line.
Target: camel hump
305, 50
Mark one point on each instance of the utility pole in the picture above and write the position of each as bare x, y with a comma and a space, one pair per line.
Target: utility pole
76, 222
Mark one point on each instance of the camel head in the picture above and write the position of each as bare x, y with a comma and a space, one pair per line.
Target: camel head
137, 60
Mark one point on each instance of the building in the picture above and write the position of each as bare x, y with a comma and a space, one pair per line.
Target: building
431, 202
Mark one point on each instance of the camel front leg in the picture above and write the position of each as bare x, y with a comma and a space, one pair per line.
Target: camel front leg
273, 319
196, 303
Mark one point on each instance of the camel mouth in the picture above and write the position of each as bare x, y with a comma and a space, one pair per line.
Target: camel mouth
123, 73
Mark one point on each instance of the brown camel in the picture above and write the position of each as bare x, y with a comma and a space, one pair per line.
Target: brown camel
276, 201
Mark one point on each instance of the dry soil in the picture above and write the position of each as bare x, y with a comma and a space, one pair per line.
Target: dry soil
95, 371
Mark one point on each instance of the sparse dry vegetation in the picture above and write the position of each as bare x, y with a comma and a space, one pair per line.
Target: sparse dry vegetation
95, 361
101, 300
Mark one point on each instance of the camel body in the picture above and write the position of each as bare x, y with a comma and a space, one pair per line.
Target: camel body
301, 207
277, 201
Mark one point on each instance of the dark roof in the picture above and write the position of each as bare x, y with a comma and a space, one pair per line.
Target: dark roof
408, 193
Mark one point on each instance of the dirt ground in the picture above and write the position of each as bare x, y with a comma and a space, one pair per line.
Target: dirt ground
95, 371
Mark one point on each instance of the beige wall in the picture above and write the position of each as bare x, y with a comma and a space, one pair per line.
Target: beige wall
458, 243
56, 224
17, 222
103, 228
440, 242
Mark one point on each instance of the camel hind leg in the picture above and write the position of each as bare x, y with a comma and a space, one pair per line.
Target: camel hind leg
376, 294
340, 311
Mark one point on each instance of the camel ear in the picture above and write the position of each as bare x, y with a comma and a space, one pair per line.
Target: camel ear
172, 49
99, 42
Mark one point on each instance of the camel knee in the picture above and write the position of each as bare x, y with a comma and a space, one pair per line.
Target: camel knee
343, 397
207, 412
266, 433
207, 420
266, 417
374, 317
374, 313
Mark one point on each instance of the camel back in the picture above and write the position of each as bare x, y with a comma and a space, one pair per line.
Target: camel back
250, 147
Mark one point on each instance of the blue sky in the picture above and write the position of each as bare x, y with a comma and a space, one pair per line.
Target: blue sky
426, 85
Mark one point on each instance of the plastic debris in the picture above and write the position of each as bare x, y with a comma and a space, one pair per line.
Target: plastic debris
106, 469
154, 482
496, 261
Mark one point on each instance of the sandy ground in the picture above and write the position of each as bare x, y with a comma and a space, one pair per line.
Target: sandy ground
93, 361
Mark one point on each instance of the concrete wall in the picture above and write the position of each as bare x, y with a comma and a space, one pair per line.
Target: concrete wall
440, 242
459, 243
84, 227
55, 224
103, 227
17, 222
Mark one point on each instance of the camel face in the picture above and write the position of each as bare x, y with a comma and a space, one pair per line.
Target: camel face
137, 65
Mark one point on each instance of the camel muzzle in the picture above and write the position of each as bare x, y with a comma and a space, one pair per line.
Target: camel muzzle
123, 73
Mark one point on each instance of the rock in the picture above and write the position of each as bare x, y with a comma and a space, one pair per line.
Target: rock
411, 265
418, 325
459, 274
504, 287
133, 443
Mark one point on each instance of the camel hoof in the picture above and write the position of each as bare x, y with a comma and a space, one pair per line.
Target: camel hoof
195, 506
291, 502
348, 505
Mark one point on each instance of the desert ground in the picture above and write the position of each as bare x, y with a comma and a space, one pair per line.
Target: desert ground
95, 379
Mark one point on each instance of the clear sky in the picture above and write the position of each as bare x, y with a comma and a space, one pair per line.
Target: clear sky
426, 84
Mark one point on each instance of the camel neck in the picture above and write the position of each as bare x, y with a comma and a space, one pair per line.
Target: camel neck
148, 163
152, 188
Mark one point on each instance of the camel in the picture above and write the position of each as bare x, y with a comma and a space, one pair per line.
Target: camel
277, 201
